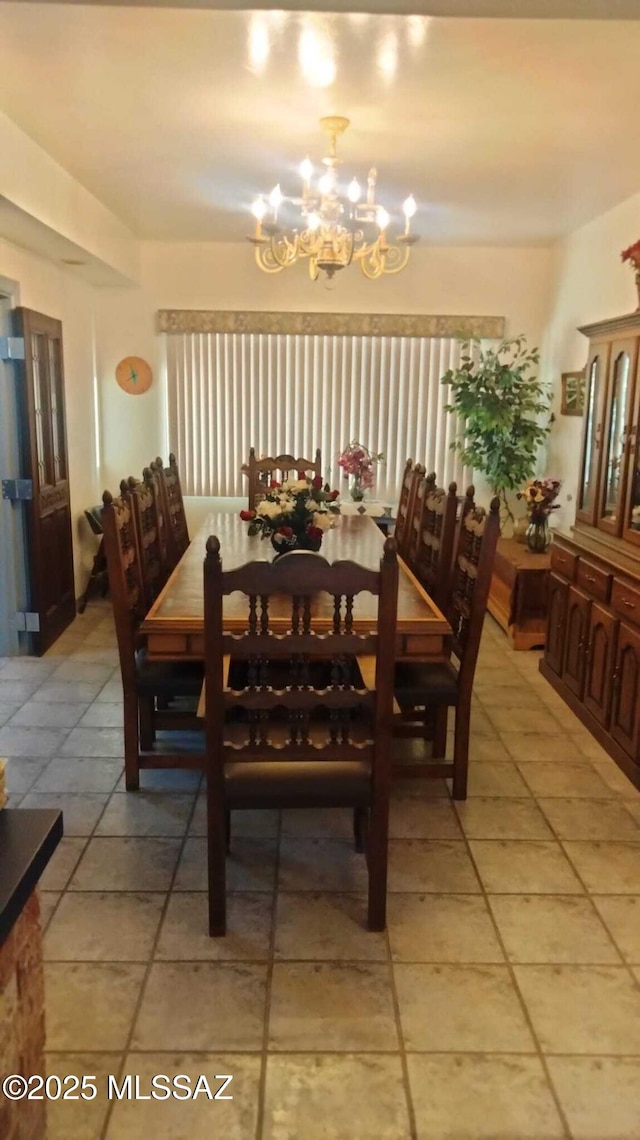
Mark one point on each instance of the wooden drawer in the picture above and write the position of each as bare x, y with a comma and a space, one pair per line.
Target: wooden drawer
626, 602
563, 562
594, 581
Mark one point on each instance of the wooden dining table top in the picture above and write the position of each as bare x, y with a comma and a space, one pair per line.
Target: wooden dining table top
174, 626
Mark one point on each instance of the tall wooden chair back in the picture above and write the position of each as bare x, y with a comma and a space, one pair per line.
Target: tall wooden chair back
125, 579
422, 484
154, 478
417, 481
177, 531
472, 569
402, 519
314, 735
262, 471
153, 567
435, 541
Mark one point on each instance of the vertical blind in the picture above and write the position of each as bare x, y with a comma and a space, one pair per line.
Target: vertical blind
293, 393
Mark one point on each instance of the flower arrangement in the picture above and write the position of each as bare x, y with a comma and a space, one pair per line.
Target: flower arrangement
632, 254
294, 514
539, 496
358, 463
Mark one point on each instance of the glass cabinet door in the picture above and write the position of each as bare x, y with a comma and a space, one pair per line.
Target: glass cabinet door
615, 441
632, 506
595, 379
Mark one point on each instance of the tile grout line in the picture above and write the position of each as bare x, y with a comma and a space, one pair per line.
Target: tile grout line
563, 1119
404, 1063
264, 1053
150, 962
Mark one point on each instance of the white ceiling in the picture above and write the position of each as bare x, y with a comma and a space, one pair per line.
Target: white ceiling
506, 131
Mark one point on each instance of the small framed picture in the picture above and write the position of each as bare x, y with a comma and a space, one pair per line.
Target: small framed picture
572, 403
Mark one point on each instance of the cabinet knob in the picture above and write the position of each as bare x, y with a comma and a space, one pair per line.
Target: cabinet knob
589, 578
629, 605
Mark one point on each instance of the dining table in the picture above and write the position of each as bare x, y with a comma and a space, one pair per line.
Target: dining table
174, 626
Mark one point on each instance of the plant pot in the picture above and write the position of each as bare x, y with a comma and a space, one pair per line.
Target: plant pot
538, 536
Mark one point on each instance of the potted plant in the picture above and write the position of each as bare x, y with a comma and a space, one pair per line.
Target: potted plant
502, 403
294, 514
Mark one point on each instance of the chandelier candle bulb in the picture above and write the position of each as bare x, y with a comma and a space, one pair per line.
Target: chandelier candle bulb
354, 191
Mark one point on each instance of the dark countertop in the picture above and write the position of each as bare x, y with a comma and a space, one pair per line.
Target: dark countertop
28, 838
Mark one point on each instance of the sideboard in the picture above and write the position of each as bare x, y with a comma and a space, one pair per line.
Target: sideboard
592, 653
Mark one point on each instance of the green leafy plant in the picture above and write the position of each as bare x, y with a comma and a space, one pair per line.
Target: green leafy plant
505, 411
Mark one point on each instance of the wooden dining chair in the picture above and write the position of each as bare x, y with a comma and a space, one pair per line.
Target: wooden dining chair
262, 471
434, 541
315, 735
422, 688
145, 683
177, 532
153, 565
422, 485
402, 513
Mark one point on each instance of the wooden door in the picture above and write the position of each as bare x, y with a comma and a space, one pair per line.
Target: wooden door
615, 451
625, 705
556, 617
600, 656
45, 462
595, 392
577, 626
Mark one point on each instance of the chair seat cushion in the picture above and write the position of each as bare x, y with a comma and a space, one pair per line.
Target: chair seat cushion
424, 684
292, 783
168, 678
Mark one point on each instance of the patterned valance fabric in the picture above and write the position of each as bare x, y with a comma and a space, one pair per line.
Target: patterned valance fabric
328, 324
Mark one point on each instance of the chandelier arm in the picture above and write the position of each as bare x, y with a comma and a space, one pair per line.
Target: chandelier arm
283, 251
264, 260
396, 259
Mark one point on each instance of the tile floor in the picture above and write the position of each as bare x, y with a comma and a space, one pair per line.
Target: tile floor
502, 1004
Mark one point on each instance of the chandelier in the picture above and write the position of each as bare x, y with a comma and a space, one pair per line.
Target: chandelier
332, 230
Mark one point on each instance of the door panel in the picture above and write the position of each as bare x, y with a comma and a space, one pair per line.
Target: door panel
556, 617
578, 605
596, 382
615, 456
45, 462
625, 708
600, 656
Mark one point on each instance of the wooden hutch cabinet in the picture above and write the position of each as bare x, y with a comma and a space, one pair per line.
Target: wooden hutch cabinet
592, 654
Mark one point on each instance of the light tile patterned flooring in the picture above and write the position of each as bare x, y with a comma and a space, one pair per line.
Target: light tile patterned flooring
502, 1004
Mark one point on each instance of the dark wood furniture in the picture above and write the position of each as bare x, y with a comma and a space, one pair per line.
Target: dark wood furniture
592, 654
434, 540
45, 463
147, 528
28, 839
261, 471
173, 520
419, 689
314, 736
99, 574
400, 532
518, 593
148, 686
174, 627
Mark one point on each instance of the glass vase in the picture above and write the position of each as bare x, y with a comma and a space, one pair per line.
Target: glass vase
538, 536
356, 489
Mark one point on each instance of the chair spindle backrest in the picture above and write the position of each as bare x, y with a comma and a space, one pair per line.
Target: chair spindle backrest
402, 520
175, 519
125, 577
475, 552
145, 516
263, 470
287, 678
436, 539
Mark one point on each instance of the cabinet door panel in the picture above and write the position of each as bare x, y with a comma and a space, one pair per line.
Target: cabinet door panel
595, 388
600, 655
577, 623
556, 617
631, 531
615, 455
625, 707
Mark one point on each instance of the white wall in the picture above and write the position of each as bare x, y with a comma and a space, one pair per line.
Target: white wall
53, 290
513, 283
589, 283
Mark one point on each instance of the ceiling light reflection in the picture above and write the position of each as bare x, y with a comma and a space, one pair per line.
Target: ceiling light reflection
387, 57
316, 57
259, 44
417, 30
